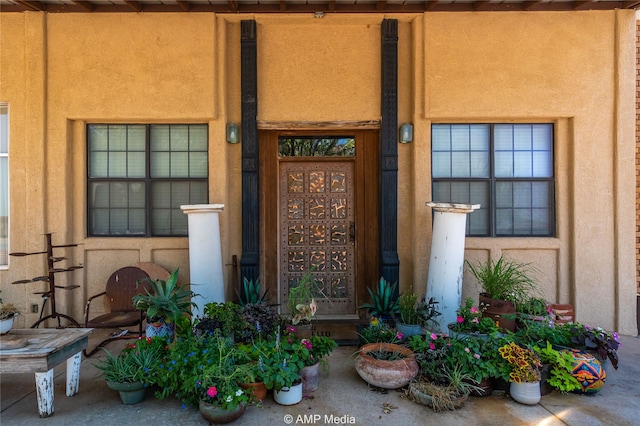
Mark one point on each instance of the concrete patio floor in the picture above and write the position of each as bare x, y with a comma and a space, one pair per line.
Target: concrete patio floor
342, 398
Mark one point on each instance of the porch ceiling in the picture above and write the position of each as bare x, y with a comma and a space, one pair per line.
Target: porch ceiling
307, 6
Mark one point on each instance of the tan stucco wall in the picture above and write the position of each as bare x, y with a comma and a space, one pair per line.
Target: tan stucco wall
60, 71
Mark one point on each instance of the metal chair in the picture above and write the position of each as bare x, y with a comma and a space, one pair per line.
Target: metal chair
119, 311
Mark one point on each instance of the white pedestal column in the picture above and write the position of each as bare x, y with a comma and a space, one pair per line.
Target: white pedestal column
205, 254
446, 264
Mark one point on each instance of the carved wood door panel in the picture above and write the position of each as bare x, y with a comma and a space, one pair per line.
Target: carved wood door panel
317, 230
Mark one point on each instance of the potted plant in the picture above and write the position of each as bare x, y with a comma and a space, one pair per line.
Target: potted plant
479, 360
386, 365
301, 304
221, 398
384, 304
251, 292
260, 319
8, 311
557, 368
525, 373
598, 342
281, 360
505, 284
164, 303
129, 372
415, 315
379, 332
319, 347
225, 316
448, 395
470, 322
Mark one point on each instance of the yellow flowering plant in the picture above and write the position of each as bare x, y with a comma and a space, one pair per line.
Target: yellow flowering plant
525, 363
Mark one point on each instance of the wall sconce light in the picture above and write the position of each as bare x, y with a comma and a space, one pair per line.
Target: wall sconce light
406, 133
232, 133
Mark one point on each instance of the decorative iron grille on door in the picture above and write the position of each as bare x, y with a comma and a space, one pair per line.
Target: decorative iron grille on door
317, 230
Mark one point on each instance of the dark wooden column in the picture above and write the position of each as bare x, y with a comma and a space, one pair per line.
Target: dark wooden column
389, 262
250, 260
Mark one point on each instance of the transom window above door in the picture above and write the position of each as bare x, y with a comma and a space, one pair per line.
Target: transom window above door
140, 174
316, 146
506, 168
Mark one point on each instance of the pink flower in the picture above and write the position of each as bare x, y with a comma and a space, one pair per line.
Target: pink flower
476, 320
476, 356
474, 310
399, 336
466, 350
434, 336
212, 391
307, 344
432, 346
459, 319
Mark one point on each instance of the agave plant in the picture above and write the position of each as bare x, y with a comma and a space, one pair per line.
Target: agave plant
165, 299
251, 292
384, 302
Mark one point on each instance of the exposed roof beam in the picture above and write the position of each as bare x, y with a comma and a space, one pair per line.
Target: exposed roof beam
33, 5
332, 5
528, 5
134, 5
580, 5
184, 5
233, 5
283, 5
381, 4
631, 4
88, 6
429, 5
480, 5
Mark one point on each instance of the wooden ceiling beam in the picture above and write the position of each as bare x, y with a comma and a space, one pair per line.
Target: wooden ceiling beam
134, 5
37, 6
631, 4
380, 5
480, 5
233, 5
430, 5
529, 5
580, 5
185, 6
86, 5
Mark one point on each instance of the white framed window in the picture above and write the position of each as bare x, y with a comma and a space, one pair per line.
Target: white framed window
140, 174
4, 185
506, 168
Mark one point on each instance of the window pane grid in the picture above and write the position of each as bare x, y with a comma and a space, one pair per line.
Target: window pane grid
125, 196
518, 199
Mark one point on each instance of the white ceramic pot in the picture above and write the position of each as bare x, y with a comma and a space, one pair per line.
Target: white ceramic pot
6, 325
288, 396
525, 393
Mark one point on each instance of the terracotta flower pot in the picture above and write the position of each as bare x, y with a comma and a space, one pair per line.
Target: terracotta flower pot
257, 389
386, 374
501, 311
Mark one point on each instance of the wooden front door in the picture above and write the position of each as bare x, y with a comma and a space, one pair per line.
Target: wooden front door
317, 230
320, 195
